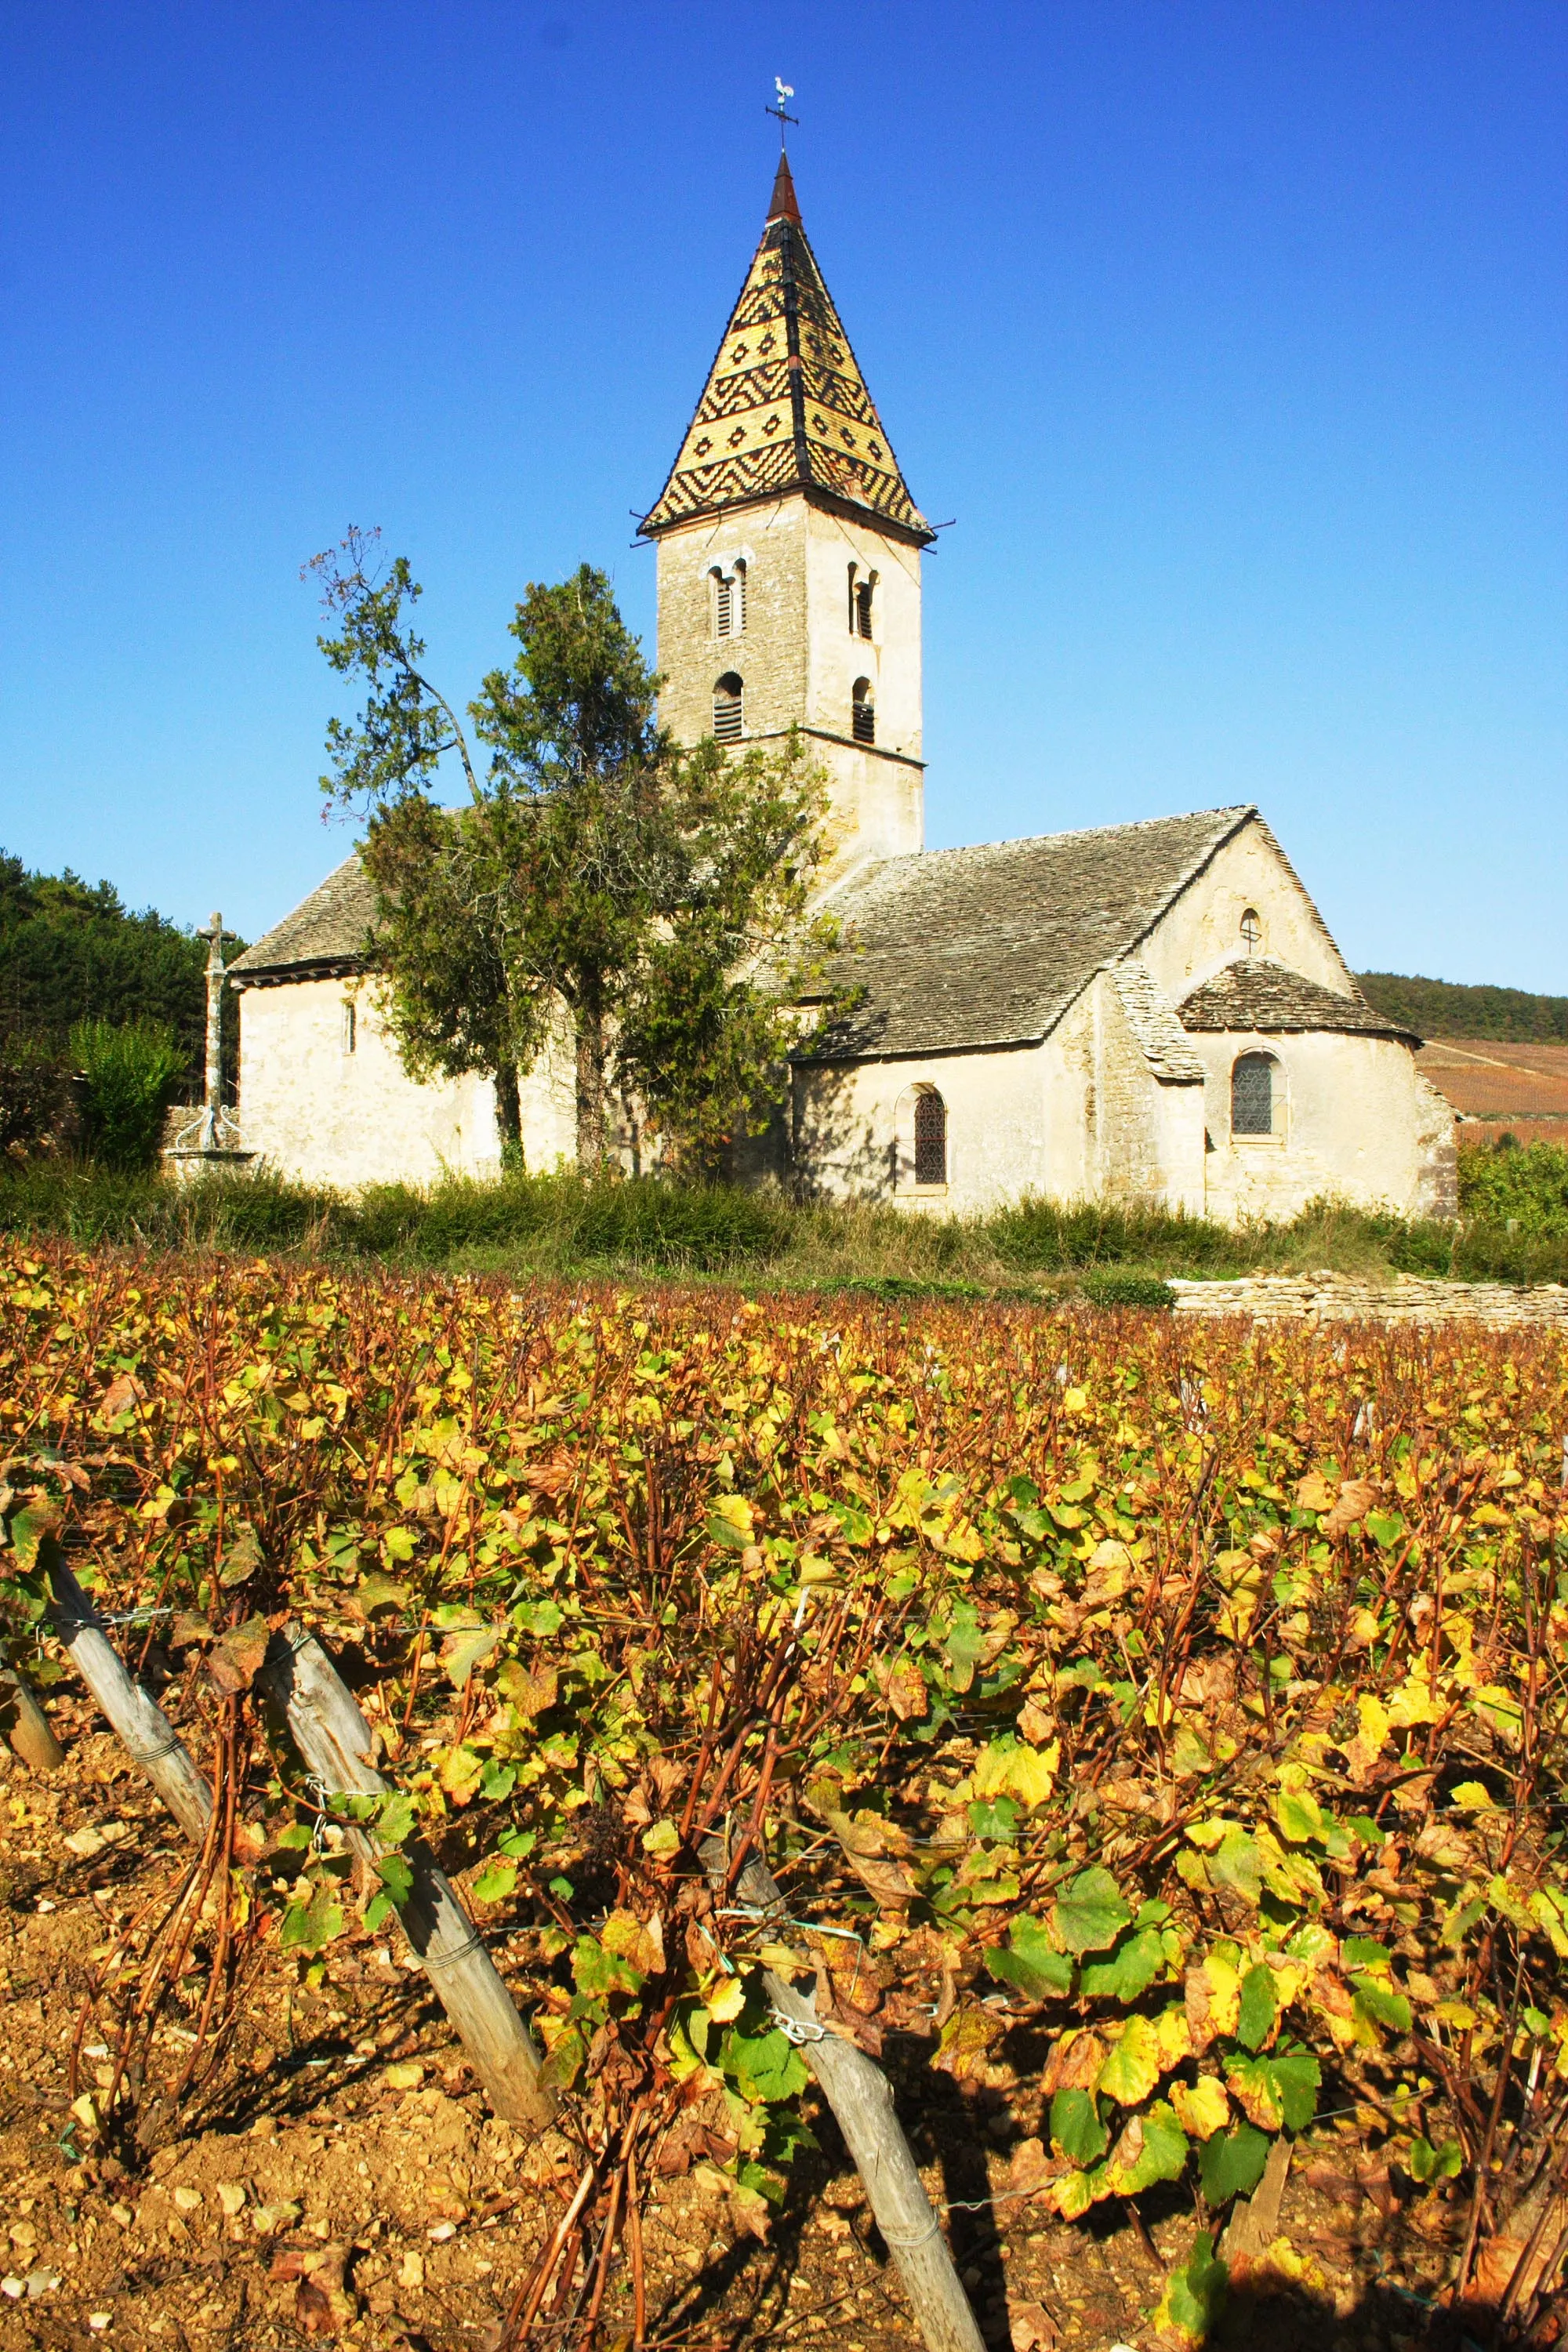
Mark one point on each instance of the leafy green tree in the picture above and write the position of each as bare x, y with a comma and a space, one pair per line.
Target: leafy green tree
652, 897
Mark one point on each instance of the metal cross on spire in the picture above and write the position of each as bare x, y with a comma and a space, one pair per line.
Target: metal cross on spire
777, 109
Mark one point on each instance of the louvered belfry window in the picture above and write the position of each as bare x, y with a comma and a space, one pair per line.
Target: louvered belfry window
863, 712
930, 1138
863, 590
729, 709
729, 601
1252, 1095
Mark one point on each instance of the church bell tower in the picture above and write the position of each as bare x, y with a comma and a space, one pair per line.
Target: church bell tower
789, 555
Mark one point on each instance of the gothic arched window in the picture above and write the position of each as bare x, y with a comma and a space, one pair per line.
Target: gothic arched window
931, 1137
1251, 930
728, 709
1253, 1089
863, 712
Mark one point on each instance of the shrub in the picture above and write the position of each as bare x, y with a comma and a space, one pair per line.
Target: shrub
1523, 1185
709, 1227
1055, 1233
1127, 1290
129, 1072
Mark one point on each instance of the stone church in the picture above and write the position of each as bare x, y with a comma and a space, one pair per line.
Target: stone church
1143, 1012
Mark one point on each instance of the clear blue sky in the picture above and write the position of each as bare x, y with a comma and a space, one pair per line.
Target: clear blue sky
1233, 336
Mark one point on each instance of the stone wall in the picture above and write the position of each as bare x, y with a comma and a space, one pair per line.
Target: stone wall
1339, 1298
798, 659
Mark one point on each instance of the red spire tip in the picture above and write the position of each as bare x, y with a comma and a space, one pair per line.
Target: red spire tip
783, 204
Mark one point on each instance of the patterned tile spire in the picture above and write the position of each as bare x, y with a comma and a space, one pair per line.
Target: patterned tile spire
786, 406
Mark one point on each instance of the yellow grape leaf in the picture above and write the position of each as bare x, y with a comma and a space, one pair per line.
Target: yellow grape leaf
1202, 2107
1131, 2069
1413, 1701
725, 2005
1176, 2035
1028, 1773
1372, 1738
1212, 2001
1210, 1833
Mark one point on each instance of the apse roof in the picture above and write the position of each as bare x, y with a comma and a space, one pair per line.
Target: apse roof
1258, 993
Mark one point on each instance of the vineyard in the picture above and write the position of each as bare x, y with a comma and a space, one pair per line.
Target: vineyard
1142, 1740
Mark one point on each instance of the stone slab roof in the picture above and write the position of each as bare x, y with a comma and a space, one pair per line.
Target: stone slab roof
1259, 993
325, 933
989, 946
1152, 1017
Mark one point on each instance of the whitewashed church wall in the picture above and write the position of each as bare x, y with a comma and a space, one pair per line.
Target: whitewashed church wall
1202, 932
1351, 1124
847, 1125
319, 1113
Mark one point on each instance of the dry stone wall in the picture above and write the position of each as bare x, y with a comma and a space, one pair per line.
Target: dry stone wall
1407, 1298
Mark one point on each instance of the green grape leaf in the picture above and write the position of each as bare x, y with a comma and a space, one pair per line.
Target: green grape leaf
396, 1875
764, 2067
1130, 1969
496, 1883
1238, 1865
1153, 2146
597, 1972
1258, 2012
307, 1925
1231, 2163
1031, 1962
1090, 1914
1381, 2003
1077, 2129
1195, 2295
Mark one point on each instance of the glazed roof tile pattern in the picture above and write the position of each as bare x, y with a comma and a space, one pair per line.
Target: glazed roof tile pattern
786, 406
958, 949
1259, 993
328, 929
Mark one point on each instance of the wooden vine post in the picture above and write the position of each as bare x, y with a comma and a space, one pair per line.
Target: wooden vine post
145, 1731
334, 1739
857, 2092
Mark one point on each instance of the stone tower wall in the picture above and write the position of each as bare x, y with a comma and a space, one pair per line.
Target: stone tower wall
798, 658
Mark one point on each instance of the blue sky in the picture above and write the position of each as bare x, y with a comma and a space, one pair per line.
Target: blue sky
1232, 336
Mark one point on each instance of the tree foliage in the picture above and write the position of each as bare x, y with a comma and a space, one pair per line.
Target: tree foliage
647, 899
70, 951
1445, 1008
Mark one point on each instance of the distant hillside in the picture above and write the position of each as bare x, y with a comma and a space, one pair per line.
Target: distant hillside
1441, 1008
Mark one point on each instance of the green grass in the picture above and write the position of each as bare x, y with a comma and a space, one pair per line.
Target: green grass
1515, 1229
